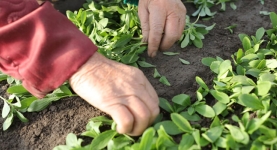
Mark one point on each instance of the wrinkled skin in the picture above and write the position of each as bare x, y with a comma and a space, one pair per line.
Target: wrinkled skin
123, 91
162, 23
119, 90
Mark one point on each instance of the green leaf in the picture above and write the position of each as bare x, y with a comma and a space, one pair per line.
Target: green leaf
164, 140
185, 42
224, 67
220, 96
129, 58
207, 61
273, 18
184, 61
156, 74
219, 107
147, 139
267, 77
181, 122
186, 142
102, 119
164, 81
201, 83
21, 117
93, 126
122, 41
6, 109
251, 101
221, 142
210, 27
7, 123
104, 22
216, 122
72, 141
39, 105
164, 104
230, 142
255, 123
197, 42
193, 117
271, 63
213, 134
182, 99
169, 127
25, 103
83, 17
65, 90
246, 43
196, 136
170, 53
145, 64
263, 87
205, 111
233, 6
215, 66
260, 33
102, 140
17, 89
235, 132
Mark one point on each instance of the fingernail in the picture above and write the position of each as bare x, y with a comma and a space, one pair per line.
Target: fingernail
153, 54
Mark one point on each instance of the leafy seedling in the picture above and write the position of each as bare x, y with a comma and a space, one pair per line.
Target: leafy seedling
194, 33
184, 61
231, 28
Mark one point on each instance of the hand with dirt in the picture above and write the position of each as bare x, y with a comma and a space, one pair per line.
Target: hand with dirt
162, 23
121, 91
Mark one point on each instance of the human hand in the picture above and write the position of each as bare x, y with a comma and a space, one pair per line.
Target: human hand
162, 23
119, 90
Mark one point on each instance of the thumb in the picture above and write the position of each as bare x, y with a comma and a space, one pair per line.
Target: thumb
123, 118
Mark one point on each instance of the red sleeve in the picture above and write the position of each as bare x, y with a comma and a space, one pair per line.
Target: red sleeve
39, 45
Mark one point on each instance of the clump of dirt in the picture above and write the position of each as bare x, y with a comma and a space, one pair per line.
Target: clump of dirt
48, 128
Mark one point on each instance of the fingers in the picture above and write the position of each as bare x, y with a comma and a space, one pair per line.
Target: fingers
173, 31
132, 118
162, 23
153, 103
123, 118
156, 28
141, 115
144, 21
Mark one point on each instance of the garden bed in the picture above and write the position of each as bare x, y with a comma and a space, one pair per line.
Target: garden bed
49, 128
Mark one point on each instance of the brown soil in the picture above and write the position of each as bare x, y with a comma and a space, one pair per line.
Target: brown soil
48, 128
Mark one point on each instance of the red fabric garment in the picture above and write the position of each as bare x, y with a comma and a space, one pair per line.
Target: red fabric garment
39, 45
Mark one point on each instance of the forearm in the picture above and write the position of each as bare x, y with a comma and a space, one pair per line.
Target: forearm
40, 46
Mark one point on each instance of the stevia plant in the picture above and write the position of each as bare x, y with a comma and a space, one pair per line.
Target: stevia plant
114, 27
242, 117
204, 6
19, 100
194, 33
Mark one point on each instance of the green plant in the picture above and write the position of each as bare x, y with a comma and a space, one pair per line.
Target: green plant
231, 27
242, 117
194, 33
20, 100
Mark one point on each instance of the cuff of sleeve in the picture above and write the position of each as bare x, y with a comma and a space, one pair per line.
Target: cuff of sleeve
43, 49
134, 2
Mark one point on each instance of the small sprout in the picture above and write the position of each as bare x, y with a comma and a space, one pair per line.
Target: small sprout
170, 53
265, 13
164, 80
145, 64
184, 61
230, 28
156, 74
